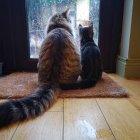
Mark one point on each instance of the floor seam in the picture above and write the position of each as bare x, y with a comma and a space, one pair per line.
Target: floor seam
14, 132
133, 104
105, 119
63, 122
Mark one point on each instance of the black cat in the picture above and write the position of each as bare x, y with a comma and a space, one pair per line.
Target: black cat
90, 54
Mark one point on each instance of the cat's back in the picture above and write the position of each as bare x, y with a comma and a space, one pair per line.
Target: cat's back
58, 37
91, 49
60, 52
59, 33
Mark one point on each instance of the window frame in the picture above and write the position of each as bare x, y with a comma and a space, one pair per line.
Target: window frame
14, 42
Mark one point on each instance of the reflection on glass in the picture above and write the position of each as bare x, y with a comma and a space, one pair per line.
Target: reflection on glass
39, 11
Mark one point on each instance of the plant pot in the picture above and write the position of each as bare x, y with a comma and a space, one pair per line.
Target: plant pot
1, 65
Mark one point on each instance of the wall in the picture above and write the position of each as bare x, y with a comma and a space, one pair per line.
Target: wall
128, 64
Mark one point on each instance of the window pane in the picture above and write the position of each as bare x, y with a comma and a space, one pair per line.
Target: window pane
39, 11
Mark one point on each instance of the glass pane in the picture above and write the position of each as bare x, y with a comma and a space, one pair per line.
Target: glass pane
39, 11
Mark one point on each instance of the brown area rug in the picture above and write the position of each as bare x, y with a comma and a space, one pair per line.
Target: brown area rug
20, 84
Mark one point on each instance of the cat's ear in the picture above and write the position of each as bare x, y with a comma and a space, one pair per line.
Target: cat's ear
65, 13
91, 26
91, 30
80, 27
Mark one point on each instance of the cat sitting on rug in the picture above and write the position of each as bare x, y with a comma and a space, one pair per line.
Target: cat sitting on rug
90, 54
59, 65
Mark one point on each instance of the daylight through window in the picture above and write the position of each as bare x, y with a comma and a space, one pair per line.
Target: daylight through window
39, 11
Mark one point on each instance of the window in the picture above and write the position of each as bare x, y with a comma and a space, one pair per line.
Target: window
20, 21
39, 11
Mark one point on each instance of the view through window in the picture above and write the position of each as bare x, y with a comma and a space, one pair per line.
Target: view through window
81, 12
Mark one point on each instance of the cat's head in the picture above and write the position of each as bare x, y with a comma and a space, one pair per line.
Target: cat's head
60, 20
86, 33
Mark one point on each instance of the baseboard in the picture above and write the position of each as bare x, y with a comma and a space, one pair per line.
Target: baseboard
129, 68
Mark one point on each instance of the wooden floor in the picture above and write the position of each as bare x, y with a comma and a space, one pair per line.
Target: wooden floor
85, 119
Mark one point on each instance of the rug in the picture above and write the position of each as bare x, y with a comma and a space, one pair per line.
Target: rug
20, 84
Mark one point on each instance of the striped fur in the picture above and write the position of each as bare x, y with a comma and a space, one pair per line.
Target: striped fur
28, 107
59, 62
58, 66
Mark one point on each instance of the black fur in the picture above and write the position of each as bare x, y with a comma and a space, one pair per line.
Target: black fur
90, 59
79, 85
90, 55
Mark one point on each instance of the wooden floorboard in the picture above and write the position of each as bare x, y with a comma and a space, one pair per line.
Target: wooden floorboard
8, 132
122, 117
57, 107
47, 127
83, 120
133, 86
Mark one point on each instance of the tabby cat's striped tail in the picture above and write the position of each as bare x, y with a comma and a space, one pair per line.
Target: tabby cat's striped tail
28, 107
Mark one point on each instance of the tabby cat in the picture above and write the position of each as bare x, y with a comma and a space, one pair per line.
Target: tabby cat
58, 66
90, 54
